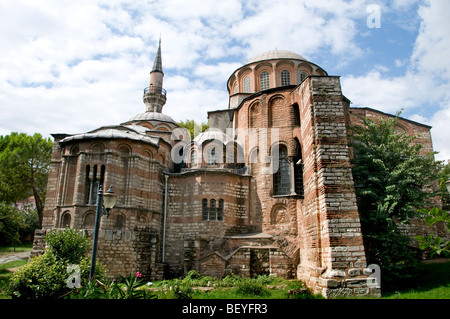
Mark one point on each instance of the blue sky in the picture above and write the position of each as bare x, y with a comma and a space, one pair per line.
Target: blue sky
73, 66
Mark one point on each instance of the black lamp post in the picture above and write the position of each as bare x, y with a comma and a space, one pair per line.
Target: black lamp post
105, 202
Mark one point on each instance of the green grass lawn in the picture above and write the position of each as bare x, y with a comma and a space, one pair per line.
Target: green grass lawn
27, 246
433, 284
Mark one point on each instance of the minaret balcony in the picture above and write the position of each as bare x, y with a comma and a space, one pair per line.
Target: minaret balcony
154, 89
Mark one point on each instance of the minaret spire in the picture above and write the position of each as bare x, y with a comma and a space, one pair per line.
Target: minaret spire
157, 65
155, 96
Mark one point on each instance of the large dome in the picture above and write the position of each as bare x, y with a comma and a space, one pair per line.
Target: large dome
152, 116
276, 54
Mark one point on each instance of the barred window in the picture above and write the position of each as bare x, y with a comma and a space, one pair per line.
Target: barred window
212, 157
265, 83
205, 209
285, 77
281, 178
214, 211
303, 76
247, 84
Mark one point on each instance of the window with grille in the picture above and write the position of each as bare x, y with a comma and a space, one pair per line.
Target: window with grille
285, 77
214, 211
303, 76
265, 84
212, 157
247, 84
281, 178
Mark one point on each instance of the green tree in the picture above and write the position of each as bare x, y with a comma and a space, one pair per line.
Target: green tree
435, 243
392, 179
444, 175
194, 128
10, 224
25, 162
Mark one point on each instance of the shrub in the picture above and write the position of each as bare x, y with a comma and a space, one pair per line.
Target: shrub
46, 276
69, 244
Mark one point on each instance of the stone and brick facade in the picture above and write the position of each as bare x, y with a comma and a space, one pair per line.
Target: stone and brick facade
267, 190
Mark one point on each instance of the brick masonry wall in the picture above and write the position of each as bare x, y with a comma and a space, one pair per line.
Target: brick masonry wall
329, 226
187, 234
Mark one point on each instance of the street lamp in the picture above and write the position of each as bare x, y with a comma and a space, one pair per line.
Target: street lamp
105, 202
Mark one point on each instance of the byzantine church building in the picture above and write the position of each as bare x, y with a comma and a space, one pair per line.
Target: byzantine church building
268, 189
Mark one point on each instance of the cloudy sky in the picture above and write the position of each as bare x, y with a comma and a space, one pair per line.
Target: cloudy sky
72, 66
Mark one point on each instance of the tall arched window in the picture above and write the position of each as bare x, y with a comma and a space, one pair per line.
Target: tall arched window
265, 83
205, 212
212, 156
247, 84
298, 171
212, 209
285, 77
89, 220
66, 219
220, 210
303, 76
93, 180
281, 177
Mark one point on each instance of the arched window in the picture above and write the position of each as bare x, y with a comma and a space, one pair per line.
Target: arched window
66, 220
298, 171
212, 156
89, 220
236, 88
281, 177
93, 181
247, 84
265, 83
220, 210
205, 209
303, 76
120, 221
285, 77
212, 209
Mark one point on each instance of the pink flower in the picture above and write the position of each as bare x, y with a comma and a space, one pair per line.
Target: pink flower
138, 275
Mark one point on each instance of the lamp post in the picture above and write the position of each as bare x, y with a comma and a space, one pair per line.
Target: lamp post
105, 202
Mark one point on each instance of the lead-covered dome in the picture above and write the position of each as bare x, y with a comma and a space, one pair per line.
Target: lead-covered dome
276, 55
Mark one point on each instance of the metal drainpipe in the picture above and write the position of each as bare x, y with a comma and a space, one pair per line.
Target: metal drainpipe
165, 217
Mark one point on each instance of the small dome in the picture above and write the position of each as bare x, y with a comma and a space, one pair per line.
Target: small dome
211, 134
276, 54
152, 116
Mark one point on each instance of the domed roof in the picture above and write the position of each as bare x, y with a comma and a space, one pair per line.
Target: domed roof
130, 132
152, 116
276, 54
211, 134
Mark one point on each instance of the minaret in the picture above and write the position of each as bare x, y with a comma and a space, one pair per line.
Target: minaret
155, 96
